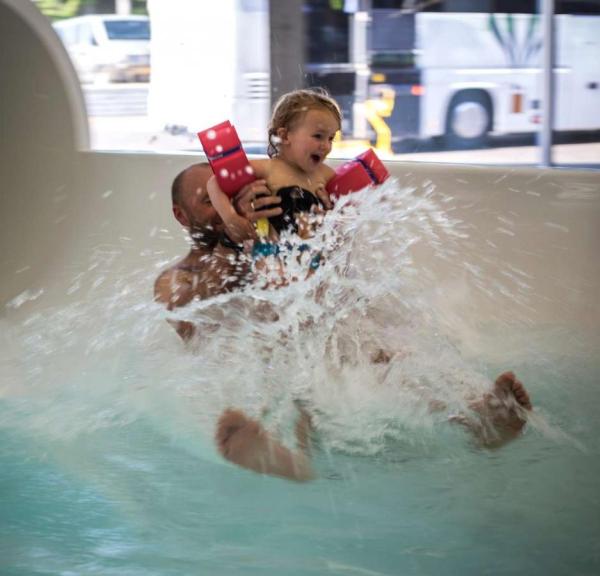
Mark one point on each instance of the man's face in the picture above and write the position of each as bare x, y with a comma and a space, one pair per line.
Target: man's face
198, 214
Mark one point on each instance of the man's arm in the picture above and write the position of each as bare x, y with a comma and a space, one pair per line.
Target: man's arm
255, 201
173, 288
238, 228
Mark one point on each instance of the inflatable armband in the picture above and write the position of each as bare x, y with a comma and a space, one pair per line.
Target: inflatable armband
226, 157
364, 170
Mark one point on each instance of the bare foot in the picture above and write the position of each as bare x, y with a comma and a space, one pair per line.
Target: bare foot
507, 385
245, 442
502, 412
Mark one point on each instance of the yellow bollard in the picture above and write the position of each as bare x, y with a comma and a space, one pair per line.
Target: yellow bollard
376, 110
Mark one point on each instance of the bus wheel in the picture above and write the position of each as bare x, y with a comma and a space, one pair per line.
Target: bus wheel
469, 119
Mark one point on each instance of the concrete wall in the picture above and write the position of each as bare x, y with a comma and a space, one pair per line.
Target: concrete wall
64, 208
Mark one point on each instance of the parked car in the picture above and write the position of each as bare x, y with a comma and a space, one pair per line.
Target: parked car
108, 47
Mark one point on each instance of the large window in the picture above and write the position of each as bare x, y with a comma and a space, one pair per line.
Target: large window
447, 81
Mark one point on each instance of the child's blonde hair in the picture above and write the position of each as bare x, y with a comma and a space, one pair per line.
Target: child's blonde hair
291, 107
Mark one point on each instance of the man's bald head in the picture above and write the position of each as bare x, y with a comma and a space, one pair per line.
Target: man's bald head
191, 204
188, 181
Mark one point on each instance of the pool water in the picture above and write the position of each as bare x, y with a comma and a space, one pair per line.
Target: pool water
131, 499
107, 463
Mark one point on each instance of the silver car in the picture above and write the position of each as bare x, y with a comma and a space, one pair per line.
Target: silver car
107, 47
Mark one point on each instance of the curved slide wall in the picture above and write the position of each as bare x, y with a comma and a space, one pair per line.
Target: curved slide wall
62, 204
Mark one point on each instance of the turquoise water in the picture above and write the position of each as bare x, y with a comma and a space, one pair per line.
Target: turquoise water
129, 500
106, 421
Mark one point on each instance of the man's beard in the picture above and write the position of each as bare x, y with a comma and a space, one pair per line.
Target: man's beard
204, 236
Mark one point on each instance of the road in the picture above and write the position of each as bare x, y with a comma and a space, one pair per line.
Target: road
118, 120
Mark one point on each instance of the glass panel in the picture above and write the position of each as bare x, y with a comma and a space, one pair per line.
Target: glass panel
577, 84
446, 81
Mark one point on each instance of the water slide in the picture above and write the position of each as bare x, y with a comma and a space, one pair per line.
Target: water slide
105, 462
61, 201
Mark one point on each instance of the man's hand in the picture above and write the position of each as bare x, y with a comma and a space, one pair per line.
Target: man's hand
323, 196
255, 201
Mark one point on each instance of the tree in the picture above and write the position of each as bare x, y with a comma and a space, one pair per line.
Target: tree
59, 9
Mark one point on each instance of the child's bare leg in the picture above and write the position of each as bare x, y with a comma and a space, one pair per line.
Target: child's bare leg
245, 442
501, 413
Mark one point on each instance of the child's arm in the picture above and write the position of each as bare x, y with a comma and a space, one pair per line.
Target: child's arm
238, 228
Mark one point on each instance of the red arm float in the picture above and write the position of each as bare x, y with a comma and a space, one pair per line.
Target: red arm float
226, 157
364, 170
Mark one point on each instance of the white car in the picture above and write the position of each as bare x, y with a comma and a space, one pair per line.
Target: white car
108, 47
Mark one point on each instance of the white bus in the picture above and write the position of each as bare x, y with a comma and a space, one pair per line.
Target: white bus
460, 75
467, 75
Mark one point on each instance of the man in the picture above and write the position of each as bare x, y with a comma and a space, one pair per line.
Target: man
211, 268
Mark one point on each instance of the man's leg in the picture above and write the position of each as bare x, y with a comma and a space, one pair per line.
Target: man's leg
245, 442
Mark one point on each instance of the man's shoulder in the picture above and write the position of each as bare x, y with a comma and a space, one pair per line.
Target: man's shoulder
170, 280
168, 274
200, 274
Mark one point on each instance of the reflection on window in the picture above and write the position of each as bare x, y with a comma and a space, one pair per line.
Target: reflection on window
127, 30
107, 49
451, 81
327, 34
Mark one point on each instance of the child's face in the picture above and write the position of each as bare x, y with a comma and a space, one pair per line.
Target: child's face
309, 142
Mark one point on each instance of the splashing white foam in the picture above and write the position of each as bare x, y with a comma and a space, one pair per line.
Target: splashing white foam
105, 361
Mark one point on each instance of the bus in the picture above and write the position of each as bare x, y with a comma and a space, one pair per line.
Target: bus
460, 75
465, 76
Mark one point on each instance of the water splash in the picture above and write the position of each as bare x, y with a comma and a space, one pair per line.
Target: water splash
366, 342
